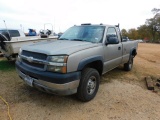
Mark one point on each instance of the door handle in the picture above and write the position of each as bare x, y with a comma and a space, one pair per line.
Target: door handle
119, 48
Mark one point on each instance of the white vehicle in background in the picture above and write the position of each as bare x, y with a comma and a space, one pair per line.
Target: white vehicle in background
11, 40
140, 41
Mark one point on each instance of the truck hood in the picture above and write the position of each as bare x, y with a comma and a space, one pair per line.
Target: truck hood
58, 47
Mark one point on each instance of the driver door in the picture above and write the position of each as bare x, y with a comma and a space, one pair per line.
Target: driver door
112, 52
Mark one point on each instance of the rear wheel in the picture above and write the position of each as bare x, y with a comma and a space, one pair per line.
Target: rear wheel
89, 84
128, 66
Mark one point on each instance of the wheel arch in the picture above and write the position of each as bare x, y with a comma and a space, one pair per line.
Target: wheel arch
133, 52
95, 62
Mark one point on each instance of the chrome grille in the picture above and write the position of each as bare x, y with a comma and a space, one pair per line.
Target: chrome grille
33, 64
34, 55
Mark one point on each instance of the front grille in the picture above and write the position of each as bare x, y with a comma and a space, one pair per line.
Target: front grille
35, 55
39, 56
37, 65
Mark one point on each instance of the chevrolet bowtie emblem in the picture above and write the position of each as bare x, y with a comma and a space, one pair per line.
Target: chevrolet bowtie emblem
30, 59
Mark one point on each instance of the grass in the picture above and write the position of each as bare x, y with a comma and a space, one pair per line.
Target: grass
7, 65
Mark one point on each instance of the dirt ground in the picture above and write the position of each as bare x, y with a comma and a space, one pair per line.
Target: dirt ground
121, 96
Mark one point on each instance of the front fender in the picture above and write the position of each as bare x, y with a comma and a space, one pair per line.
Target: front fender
88, 60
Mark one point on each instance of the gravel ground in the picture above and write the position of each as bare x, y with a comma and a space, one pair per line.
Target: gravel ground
121, 96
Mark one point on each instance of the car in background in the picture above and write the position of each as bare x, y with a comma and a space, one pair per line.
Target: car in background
125, 38
140, 41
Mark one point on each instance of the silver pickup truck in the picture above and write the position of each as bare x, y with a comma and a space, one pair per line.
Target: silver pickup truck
73, 63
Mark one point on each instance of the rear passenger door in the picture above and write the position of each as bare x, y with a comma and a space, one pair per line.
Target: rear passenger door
112, 52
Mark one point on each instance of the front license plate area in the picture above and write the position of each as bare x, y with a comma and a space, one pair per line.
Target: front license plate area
28, 80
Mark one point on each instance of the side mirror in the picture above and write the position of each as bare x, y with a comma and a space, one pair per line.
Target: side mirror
112, 40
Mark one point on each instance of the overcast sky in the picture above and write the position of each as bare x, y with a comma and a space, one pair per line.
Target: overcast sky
65, 13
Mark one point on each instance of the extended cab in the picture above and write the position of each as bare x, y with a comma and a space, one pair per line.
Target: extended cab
74, 63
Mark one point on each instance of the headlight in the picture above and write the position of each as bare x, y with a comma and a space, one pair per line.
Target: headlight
60, 69
57, 64
58, 59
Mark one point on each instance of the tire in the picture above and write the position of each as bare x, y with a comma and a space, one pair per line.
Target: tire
89, 84
128, 66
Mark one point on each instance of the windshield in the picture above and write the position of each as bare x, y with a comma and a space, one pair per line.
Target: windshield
84, 33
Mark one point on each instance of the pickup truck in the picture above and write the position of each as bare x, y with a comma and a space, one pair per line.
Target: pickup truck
74, 63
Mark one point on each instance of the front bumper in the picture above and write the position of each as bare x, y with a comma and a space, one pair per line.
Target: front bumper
61, 84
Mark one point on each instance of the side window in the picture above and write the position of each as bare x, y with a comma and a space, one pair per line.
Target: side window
14, 33
111, 32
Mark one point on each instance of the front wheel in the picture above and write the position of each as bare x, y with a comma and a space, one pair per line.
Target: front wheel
128, 66
89, 84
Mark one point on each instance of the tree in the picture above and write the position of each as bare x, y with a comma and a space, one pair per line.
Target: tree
152, 23
124, 32
149, 31
155, 10
133, 34
144, 32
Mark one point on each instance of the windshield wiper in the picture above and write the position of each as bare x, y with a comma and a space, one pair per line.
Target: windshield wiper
78, 39
63, 39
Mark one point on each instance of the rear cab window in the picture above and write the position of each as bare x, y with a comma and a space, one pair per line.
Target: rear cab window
13, 33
